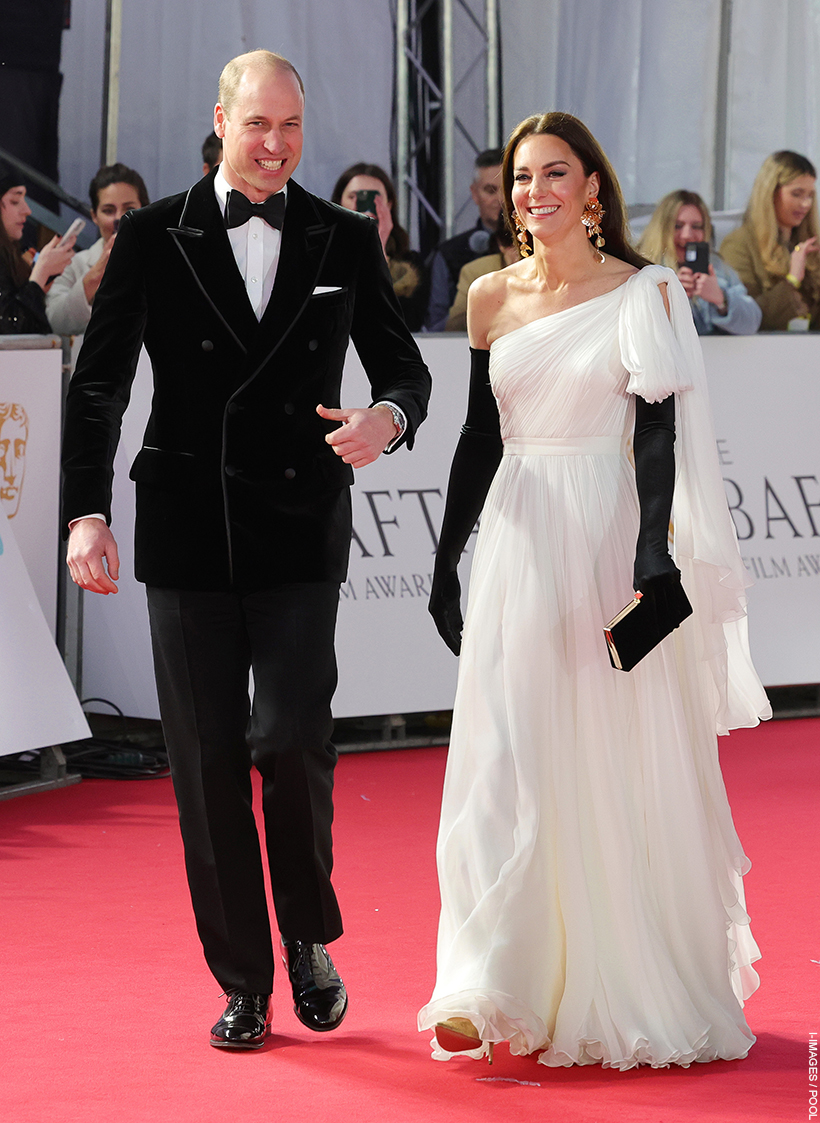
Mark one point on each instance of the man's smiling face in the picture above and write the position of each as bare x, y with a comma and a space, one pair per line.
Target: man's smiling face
261, 132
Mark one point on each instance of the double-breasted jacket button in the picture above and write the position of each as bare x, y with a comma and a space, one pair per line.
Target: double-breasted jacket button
230, 470
290, 409
290, 473
314, 343
207, 345
233, 407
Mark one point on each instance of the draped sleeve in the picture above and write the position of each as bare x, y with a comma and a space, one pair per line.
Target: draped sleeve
662, 355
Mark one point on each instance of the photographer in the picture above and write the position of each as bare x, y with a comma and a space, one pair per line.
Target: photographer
679, 234
369, 189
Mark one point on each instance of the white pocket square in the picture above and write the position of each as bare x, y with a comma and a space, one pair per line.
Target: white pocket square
320, 289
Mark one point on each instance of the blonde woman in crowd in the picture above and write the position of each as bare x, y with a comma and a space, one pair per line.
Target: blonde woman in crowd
775, 250
718, 298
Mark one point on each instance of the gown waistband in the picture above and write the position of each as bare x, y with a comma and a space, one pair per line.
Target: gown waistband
562, 446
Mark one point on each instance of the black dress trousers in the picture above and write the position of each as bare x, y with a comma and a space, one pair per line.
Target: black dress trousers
205, 644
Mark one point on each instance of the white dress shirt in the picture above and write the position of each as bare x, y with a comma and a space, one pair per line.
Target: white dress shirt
256, 248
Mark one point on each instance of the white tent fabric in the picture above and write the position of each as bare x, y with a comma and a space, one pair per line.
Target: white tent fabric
774, 87
641, 73
172, 55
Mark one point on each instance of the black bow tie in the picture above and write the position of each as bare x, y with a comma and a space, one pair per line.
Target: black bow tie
240, 209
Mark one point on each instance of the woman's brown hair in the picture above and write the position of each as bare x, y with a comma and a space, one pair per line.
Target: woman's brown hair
17, 267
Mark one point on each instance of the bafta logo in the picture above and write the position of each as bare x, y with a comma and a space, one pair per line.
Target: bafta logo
13, 438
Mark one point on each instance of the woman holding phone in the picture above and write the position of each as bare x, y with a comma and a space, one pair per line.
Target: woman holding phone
367, 188
717, 296
22, 285
114, 190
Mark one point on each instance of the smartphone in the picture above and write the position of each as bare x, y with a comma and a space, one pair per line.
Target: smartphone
696, 256
366, 202
73, 230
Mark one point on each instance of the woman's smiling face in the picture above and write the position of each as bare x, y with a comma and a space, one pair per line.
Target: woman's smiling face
550, 188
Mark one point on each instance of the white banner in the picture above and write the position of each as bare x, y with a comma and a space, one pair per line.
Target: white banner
766, 400
30, 416
37, 700
391, 659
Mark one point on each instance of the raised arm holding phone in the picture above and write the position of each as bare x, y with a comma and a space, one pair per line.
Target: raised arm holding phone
114, 190
679, 235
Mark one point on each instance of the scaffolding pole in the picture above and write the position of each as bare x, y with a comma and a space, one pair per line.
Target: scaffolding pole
436, 105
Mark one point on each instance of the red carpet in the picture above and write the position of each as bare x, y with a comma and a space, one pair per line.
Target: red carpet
107, 1002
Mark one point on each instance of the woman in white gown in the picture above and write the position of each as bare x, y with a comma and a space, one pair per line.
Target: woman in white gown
591, 877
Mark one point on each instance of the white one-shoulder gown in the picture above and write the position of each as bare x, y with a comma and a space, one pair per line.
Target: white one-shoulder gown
591, 876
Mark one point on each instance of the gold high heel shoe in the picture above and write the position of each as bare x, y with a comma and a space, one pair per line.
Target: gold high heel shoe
458, 1035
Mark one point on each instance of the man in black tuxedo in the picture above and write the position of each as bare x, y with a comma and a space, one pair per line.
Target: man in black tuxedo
245, 291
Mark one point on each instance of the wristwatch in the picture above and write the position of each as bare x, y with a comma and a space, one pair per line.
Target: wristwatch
398, 417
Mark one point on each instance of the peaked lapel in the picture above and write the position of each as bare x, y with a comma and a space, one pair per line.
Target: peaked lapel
203, 242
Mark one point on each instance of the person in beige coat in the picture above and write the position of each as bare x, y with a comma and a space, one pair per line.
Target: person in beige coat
505, 254
776, 250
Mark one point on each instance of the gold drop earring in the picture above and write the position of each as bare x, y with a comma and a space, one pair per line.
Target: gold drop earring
591, 218
524, 247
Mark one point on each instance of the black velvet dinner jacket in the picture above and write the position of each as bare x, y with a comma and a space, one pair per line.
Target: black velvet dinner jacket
236, 486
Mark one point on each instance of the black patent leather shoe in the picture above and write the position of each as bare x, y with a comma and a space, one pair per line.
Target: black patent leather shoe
319, 995
245, 1023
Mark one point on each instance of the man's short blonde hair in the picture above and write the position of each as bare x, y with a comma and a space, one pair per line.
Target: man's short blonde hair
231, 76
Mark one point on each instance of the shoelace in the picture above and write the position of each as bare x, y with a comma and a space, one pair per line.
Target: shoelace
242, 1004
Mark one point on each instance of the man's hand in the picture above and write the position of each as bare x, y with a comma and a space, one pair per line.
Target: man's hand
363, 435
91, 544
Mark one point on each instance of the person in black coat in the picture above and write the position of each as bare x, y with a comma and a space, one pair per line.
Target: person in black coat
245, 291
23, 286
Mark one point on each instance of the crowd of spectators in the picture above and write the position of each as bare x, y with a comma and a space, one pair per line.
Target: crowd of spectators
766, 276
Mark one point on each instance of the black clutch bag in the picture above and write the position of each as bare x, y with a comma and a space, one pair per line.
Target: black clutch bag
642, 625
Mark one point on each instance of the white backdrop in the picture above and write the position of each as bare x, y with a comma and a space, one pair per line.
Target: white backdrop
642, 74
172, 56
391, 659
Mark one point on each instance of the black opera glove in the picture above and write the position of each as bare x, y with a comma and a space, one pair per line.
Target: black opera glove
655, 573
476, 459
445, 607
